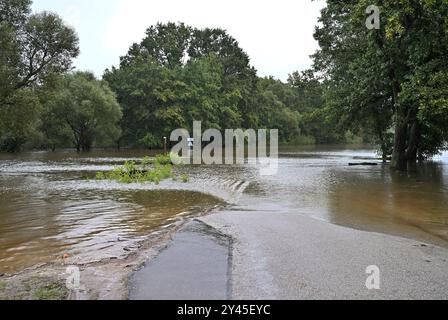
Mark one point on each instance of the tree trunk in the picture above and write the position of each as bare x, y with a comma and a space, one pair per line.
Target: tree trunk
412, 148
406, 144
399, 160
86, 148
86, 144
83, 141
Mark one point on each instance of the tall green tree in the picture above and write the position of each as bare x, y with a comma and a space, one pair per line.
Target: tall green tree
277, 108
178, 74
13, 18
166, 43
32, 48
238, 75
88, 108
384, 79
18, 120
142, 88
316, 119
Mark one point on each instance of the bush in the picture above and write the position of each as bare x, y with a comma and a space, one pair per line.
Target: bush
184, 178
163, 159
131, 172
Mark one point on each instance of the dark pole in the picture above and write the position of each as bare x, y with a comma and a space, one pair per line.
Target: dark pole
164, 146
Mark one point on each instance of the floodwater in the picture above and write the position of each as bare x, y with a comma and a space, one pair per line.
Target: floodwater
50, 205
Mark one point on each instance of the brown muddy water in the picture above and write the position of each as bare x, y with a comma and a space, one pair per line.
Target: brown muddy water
50, 205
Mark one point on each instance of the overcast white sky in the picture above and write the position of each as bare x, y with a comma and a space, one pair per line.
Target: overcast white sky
277, 35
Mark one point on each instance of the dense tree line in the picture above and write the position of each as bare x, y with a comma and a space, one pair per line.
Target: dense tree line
386, 86
176, 75
179, 74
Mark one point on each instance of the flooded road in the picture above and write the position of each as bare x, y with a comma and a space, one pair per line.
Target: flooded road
50, 204
319, 183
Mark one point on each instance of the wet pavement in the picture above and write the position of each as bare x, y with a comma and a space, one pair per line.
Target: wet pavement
289, 257
194, 266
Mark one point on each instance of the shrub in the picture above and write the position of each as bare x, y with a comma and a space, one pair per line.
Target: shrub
131, 172
184, 178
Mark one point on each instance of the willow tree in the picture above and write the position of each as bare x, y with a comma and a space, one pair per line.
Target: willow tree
86, 107
391, 79
33, 47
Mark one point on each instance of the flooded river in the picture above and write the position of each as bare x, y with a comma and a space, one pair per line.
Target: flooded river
50, 205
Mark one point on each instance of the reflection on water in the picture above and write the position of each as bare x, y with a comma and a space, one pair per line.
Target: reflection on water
414, 203
48, 205
319, 183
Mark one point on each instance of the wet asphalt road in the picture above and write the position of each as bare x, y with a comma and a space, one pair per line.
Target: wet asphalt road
285, 256
194, 266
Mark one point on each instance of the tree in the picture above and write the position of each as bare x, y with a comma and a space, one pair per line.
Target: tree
375, 77
48, 46
13, 15
276, 108
33, 45
217, 107
316, 117
178, 74
166, 43
238, 75
141, 88
18, 120
53, 131
32, 48
88, 108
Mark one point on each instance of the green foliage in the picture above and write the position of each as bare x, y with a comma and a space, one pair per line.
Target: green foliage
177, 74
297, 108
216, 86
163, 159
155, 171
18, 120
130, 172
33, 47
184, 178
157, 99
52, 291
149, 141
433, 114
383, 81
86, 107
